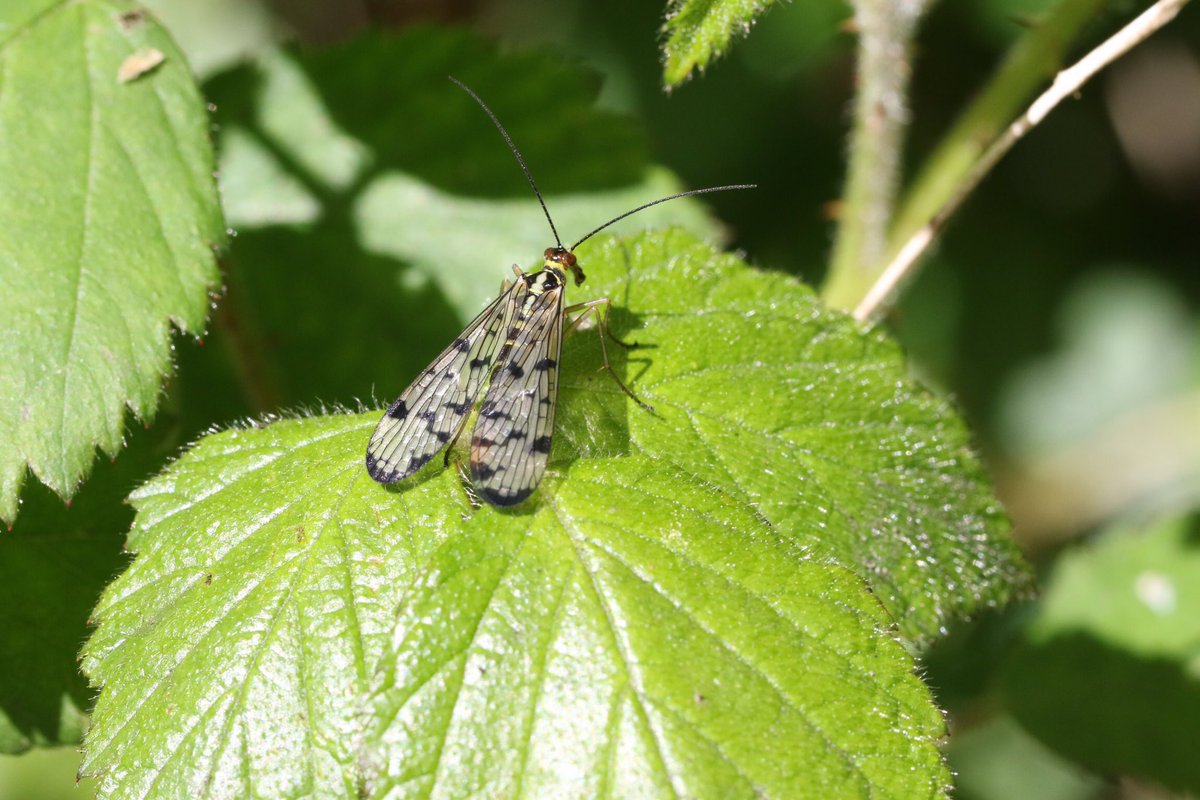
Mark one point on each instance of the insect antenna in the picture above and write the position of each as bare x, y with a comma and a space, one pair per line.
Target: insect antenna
520, 160
529, 176
662, 200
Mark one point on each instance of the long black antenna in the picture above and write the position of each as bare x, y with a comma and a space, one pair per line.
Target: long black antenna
536, 191
516, 153
663, 200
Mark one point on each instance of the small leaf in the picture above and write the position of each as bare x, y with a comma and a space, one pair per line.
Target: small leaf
983, 754
699, 31
1110, 671
108, 217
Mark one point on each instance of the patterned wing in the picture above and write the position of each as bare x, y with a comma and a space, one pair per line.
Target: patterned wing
432, 411
511, 441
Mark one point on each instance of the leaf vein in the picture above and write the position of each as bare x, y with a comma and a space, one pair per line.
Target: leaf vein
788, 701
627, 661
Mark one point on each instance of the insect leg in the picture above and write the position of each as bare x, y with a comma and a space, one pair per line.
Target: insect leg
602, 322
453, 441
594, 307
505, 283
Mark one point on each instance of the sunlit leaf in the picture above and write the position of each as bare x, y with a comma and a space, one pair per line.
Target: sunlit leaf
108, 219
699, 31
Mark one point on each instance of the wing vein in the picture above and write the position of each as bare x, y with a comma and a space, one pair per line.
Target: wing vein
510, 445
432, 411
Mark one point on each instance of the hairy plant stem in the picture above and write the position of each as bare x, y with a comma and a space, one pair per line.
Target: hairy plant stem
885, 30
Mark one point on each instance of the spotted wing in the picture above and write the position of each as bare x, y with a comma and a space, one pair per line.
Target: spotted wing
511, 441
433, 410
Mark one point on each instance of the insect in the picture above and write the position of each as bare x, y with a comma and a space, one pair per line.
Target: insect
509, 354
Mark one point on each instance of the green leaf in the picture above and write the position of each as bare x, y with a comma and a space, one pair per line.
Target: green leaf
642, 635
1127, 342
1109, 672
692, 645
667, 606
813, 420
108, 219
698, 31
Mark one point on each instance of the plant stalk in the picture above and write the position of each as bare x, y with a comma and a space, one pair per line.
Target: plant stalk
880, 116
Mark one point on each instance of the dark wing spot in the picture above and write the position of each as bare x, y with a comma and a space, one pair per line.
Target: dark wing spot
461, 345
541, 444
490, 411
372, 464
399, 410
416, 462
515, 370
499, 498
482, 471
428, 415
442, 436
516, 434
457, 408
477, 363
545, 364
514, 332
379, 471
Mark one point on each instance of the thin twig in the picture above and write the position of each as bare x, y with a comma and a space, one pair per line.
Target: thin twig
1037, 55
1067, 82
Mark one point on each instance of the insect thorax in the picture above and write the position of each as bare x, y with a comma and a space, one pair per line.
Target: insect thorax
547, 279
